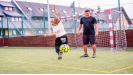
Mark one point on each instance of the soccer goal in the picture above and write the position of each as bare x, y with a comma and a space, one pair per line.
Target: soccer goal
110, 37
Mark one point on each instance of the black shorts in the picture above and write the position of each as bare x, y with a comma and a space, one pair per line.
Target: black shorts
89, 38
59, 41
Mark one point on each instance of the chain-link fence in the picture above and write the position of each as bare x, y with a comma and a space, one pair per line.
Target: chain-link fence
36, 23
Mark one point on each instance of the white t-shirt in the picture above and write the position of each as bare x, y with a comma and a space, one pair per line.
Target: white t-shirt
59, 29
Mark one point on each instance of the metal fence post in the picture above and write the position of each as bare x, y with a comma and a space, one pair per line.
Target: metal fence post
119, 14
44, 20
7, 26
2, 31
22, 26
74, 22
49, 25
40, 27
12, 33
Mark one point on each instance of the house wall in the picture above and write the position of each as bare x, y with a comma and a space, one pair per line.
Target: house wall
10, 32
125, 22
27, 32
6, 32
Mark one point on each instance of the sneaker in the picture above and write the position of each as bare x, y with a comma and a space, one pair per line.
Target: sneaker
85, 55
60, 55
94, 55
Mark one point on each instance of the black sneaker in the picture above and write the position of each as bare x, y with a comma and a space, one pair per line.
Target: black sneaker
60, 56
85, 55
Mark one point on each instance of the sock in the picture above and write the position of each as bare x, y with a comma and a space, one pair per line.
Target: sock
58, 52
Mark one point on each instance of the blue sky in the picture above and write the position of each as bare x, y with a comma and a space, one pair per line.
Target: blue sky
104, 4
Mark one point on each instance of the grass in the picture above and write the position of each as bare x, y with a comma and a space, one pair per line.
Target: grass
44, 61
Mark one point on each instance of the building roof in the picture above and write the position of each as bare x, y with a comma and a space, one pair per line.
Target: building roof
36, 9
114, 13
4, 13
12, 13
1, 14
127, 17
9, 4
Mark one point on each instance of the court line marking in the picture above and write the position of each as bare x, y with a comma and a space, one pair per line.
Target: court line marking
53, 47
56, 66
71, 67
121, 69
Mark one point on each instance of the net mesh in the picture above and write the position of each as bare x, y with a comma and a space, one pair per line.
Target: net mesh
103, 40
120, 34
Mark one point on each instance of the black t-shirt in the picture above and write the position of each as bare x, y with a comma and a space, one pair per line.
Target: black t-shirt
88, 25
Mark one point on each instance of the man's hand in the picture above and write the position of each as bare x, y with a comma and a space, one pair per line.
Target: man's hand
96, 34
79, 29
44, 35
96, 27
78, 32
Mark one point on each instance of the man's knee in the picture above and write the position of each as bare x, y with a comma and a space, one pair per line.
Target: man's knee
93, 45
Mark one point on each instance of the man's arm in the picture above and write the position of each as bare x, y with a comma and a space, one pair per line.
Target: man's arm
56, 14
80, 26
96, 27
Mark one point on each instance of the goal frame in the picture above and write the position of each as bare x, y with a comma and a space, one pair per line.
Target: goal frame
110, 24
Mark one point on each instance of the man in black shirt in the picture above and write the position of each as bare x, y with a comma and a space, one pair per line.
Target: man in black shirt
88, 32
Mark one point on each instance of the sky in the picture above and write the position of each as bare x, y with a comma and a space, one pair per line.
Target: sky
104, 4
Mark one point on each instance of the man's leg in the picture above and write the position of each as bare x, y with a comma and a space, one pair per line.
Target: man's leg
92, 39
85, 42
85, 49
94, 48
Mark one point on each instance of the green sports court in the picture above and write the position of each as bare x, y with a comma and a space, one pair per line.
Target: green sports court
31, 30
45, 61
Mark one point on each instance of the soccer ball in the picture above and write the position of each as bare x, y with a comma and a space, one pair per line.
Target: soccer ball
64, 48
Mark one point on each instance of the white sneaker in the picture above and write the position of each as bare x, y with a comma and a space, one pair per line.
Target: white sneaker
94, 55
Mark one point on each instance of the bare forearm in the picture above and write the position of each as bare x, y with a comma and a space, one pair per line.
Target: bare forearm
56, 14
50, 35
96, 27
79, 27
